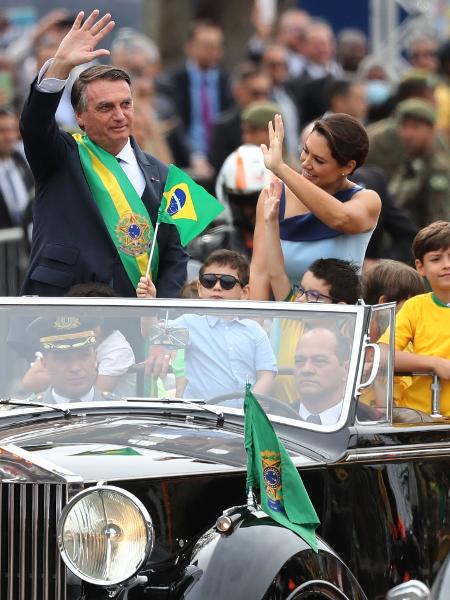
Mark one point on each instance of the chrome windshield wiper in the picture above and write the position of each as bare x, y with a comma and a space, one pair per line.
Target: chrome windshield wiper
30, 403
200, 405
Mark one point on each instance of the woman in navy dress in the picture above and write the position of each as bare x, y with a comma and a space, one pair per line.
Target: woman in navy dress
322, 214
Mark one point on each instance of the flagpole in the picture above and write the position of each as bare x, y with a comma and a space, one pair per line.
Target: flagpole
152, 249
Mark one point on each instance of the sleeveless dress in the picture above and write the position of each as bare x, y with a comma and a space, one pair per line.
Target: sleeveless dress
304, 239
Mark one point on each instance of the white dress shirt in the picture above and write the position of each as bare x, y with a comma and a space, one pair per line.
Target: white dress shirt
87, 397
330, 416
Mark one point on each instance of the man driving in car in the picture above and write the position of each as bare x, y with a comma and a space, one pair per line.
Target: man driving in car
321, 367
67, 343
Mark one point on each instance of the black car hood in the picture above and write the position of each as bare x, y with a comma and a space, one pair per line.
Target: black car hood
123, 446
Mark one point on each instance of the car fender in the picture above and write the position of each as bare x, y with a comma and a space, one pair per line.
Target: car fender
258, 554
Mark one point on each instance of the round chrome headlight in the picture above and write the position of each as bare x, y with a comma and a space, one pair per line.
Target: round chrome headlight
104, 535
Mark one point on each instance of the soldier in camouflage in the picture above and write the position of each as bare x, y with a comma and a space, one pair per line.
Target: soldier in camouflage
386, 150
420, 184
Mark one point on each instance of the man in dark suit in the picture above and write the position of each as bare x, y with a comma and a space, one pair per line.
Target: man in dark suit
200, 89
16, 179
73, 241
250, 84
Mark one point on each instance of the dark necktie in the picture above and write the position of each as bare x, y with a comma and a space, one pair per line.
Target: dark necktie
15, 212
314, 419
205, 105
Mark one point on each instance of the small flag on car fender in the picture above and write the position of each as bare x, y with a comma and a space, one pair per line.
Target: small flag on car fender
187, 205
269, 468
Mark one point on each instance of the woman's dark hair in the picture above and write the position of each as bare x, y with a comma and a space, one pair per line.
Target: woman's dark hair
346, 138
392, 279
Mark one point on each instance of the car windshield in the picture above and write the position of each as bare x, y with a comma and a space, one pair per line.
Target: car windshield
301, 360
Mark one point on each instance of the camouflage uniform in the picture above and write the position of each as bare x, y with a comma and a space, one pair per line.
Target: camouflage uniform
386, 150
421, 187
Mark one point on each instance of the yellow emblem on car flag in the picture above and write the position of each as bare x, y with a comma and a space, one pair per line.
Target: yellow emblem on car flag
270, 468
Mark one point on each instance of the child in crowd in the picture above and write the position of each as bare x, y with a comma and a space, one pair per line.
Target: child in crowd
390, 281
190, 290
424, 321
222, 352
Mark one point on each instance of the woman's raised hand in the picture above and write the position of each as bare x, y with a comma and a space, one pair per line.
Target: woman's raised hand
272, 202
273, 156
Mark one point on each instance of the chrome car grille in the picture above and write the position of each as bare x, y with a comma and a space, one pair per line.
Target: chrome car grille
30, 563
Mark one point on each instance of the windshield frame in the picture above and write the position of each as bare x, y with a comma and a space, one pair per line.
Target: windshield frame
361, 312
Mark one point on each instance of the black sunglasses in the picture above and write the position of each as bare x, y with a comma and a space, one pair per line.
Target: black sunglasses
312, 295
227, 282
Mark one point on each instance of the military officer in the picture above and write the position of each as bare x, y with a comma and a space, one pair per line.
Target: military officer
386, 150
421, 182
67, 343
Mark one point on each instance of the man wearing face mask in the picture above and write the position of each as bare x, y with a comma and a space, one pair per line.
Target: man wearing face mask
385, 149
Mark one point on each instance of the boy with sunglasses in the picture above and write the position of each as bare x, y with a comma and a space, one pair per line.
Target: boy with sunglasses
222, 352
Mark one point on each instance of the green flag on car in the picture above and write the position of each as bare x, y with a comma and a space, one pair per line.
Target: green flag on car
269, 468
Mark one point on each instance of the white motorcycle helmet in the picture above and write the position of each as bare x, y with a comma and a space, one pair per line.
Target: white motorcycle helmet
238, 185
242, 173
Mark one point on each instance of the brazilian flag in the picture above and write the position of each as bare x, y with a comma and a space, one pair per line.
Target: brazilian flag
186, 205
269, 468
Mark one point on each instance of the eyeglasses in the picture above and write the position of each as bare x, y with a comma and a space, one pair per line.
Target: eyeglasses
227, 282
424, 54
312, 295
277, 63
258, 92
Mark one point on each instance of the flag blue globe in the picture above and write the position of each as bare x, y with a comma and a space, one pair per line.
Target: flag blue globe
177, 201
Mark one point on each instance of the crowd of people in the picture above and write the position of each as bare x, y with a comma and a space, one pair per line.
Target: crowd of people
329, 170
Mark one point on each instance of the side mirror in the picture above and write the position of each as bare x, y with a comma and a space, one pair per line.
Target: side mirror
411, 590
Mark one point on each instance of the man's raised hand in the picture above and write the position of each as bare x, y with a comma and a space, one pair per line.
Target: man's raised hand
78, 46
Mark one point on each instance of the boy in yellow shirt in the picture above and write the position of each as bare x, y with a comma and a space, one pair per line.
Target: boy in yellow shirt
424, 321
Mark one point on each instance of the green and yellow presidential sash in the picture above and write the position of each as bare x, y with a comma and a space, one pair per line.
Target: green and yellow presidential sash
122, 210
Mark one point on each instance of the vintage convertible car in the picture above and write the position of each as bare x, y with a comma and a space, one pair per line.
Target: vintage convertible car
141, 494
